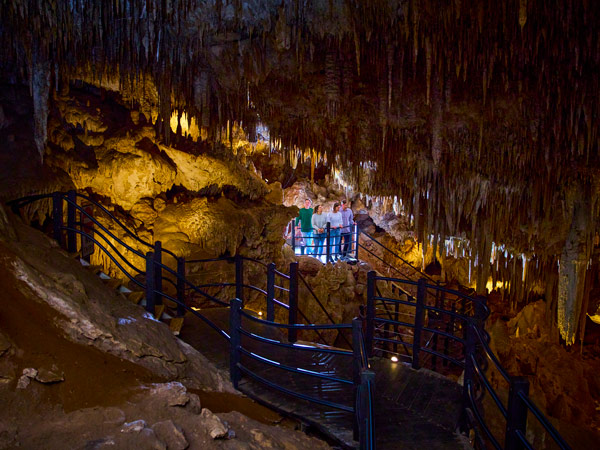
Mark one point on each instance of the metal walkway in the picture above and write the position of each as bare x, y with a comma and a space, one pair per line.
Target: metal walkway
413, 409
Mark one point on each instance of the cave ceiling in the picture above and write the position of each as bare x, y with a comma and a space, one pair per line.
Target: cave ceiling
480, 116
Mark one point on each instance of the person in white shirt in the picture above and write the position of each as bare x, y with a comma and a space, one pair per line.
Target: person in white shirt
336, 223
319, 224
347, 225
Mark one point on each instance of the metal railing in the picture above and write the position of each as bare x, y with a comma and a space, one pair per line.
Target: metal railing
466, 348
361, 379
332, 244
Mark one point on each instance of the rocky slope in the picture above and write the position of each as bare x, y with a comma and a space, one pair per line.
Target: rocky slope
81, 364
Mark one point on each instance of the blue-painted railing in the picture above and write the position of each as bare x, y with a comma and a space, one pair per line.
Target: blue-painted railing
465, 347
361, 378
332, 244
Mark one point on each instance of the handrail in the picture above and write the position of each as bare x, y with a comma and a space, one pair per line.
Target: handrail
221, 258
110, 244
363, 380
103, 228
479, 417
310, 373
489, 387
421, 273
544, 421
112, 216
295, 394
282, 275
90, 237
294, 346
490, 354
301, 277
254, 260
195, 313
475, 343
298, 326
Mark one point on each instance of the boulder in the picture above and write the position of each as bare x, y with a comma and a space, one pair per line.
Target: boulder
214, 426
5, 344
133, 427
49, 376
171, 435
173, 393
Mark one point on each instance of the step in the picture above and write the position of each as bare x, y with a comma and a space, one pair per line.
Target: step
135, 297
158, 311
170, 304
176, 324
93, 268
124, 290
83, 262
113, 283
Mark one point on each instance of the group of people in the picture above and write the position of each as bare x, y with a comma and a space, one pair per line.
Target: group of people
311, 225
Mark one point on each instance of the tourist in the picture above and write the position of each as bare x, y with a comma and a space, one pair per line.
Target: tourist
347, 222
335, 221
305, 221
319, 224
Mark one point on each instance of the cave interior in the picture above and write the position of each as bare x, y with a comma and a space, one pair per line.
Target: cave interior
466, 136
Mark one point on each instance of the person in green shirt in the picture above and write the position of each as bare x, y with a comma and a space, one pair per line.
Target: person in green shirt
306, 230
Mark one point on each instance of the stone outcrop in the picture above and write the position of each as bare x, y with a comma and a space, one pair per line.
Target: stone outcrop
127, 165
91, 314
525, 347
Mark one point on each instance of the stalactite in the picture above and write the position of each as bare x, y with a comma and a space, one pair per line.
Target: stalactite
40, 91
517, 122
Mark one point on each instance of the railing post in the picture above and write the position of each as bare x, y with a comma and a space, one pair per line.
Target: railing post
356, 328
367, 426
396, 313
293, 311
356, 332
479, 310
370, 312
71, 234
234, 341
150, 278
181, 286
239, 278
356, 240
57, 216
271, 292
419, 316
517, 413
294, 235
469, 368
328, 240
158, 273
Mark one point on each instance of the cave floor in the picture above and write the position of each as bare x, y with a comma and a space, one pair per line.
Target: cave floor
414, 409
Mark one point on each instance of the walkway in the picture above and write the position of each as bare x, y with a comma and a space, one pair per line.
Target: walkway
414, 409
